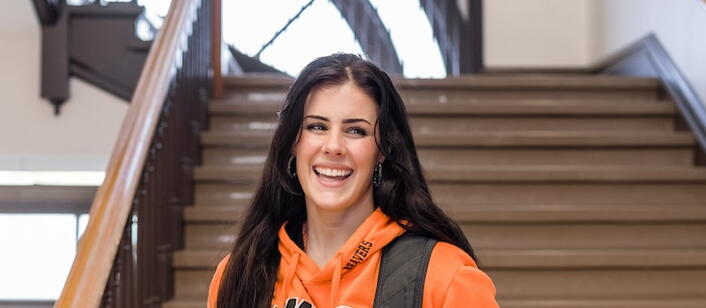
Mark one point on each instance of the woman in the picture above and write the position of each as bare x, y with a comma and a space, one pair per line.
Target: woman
342, 180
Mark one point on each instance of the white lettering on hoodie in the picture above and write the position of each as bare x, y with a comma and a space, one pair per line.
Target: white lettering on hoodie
294, 302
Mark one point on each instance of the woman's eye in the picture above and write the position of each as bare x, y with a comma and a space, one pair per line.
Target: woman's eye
357, 131
315, 126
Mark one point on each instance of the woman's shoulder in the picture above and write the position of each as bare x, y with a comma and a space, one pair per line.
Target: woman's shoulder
223, 262
447, 254
446, 259
220, 269
454, 280
216, 281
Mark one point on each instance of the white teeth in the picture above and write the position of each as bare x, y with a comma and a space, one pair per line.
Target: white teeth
333, 172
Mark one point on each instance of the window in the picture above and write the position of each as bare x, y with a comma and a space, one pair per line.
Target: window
321, 31
37, 252
39, 230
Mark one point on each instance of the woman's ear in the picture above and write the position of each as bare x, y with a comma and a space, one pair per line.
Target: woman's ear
380, 158
293, 149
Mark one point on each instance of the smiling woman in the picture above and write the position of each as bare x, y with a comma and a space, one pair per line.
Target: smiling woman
336, 154
342, 187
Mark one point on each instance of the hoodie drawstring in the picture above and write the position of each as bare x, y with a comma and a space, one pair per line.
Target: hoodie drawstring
336, 281
289, 275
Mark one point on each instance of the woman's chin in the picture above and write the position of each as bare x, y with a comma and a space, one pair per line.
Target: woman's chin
341, 197
330, 204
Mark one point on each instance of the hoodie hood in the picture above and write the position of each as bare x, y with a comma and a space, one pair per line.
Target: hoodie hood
347, 280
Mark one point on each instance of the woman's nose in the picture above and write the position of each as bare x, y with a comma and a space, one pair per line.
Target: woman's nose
333, 145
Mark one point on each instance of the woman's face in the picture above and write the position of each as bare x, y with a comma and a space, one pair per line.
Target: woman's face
336, 151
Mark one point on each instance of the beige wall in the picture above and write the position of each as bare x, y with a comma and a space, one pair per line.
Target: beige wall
537, 33
31, 137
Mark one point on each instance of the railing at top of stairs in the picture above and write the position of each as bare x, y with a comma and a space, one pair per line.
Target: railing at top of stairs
95, 42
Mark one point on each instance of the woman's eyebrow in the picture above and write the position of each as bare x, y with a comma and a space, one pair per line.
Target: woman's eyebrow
346, 121
317, 117
355, 120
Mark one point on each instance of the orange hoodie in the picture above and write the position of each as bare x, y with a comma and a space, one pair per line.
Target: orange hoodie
349, 280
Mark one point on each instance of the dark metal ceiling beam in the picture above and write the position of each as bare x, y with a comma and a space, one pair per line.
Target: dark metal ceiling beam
371, 33
47, 11
460, 41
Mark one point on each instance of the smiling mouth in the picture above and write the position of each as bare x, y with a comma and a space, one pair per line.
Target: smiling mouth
333, 174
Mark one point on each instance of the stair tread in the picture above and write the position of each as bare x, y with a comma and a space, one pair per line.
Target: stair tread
565, 173
490, 138
503, 213
494, 259
530, 81
634, 156
476, 107
521, 173
478, 81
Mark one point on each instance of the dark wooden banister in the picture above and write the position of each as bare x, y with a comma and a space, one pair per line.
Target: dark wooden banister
113, 202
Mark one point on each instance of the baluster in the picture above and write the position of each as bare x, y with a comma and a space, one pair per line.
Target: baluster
141, 275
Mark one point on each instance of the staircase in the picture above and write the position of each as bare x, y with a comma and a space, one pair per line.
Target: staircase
575, 191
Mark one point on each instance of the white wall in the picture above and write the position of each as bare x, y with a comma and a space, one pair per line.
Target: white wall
537, 33
31, 137
680, 25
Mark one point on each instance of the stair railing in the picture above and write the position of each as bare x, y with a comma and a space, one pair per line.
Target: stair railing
124, 256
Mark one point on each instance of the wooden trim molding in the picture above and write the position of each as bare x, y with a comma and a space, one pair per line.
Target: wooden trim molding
26, 304
113, 201
46, 199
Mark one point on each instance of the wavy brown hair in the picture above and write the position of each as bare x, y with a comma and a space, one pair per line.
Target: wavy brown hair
403, 195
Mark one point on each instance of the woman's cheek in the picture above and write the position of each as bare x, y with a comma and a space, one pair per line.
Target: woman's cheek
367, 149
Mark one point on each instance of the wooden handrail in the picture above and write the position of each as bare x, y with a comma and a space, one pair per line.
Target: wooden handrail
113, 201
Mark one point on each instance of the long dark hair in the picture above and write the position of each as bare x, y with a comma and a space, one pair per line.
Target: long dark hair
403, 195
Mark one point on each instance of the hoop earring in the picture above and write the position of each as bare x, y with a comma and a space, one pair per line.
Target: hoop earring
289, 167
377, 174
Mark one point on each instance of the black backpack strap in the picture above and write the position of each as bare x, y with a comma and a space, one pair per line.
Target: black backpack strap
403, 269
